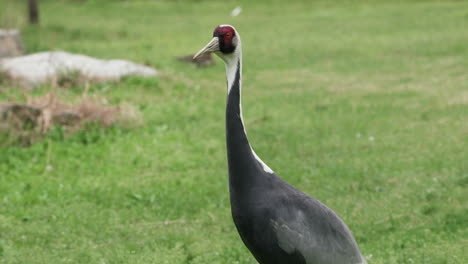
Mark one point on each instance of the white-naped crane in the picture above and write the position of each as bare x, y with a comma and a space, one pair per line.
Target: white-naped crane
278, 223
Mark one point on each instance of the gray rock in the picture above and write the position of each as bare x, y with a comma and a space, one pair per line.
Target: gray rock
40, 67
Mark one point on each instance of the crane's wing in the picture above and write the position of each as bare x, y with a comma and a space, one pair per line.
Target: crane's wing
317, 233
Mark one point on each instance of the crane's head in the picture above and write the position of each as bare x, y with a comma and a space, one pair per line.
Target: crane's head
225, 42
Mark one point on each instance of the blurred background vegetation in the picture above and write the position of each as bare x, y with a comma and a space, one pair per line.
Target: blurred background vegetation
362, 104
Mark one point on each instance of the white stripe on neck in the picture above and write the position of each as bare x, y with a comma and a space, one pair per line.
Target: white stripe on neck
231, 70
264, 166
231, 62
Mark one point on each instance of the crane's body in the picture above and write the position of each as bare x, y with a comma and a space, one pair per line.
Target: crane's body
278, 223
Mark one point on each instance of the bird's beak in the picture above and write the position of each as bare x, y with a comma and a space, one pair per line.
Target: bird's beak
212, 46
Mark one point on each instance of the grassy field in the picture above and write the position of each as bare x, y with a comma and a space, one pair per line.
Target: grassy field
361, 104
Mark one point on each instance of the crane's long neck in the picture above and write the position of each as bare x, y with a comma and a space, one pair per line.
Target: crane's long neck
245, 167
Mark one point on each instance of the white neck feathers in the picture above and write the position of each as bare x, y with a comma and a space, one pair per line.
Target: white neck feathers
232, 61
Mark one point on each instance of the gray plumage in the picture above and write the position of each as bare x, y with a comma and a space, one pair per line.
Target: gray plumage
308, 226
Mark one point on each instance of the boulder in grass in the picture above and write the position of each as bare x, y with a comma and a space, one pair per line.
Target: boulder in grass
10, 43
41, 67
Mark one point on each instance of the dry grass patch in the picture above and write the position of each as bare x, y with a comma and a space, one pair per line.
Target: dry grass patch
27, 122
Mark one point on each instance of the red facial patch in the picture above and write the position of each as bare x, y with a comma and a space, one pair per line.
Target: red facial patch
225, 35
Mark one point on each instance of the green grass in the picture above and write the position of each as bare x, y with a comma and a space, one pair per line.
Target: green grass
361, 104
